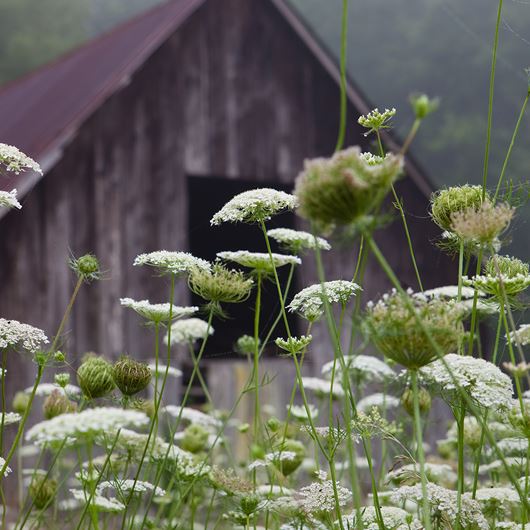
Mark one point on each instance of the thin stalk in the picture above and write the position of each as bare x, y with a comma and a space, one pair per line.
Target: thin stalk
419, 447
490, 100
412, 134
2, 422
343, 98
257, 311
460, 416
510, 148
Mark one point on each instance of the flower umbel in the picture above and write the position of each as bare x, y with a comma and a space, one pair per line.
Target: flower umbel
13, 160
158, 313
296, 241
14, 334
171, 262
8, 199
254, 206
376, 120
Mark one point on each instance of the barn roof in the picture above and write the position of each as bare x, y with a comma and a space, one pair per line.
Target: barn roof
41, 112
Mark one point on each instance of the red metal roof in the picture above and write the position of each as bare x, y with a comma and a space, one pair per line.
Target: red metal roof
41, 111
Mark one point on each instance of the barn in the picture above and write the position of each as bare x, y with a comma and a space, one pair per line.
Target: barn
144, 132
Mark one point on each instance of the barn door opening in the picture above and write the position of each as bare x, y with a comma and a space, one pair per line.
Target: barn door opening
206, 196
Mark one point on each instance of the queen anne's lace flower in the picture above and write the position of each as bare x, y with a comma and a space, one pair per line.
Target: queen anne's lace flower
309, 302
99, 502
319, 497
2, 464
297, 240
45, 389
8, 199
522, 335
448, 291
254, 206
393, 519
482, 380
189, 330
9, 418
321, 387
299, 412
444, 506
171, 370
14, 160
379, 401
124, 486
259, 261
363, 368
172, 262
441, 474
14, 334
194, 416
84, 425
376, 120
158, 312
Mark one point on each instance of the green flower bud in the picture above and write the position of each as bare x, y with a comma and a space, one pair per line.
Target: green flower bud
422, 105
86, 267
249, 504
56, 404
445, 203
243, 428
507, 266
274, 424
246, 345
59, 356
195, 439
94, 377
424, 401
42, 491
289, 466
257, 452
62, 379
20, 402
145, 405
131, 376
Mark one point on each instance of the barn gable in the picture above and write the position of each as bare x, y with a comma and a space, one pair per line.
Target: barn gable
228, 89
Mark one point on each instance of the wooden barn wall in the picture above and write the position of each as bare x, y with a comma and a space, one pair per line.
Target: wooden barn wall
233, 92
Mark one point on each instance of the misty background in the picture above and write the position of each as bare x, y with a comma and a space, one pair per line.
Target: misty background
395, 48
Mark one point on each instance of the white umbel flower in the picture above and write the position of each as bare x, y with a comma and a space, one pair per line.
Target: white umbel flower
193, 416
172, 262
444, 504
127, 485
322, 387
522, 335
449, 291
296, 240
259, 261
393, 518
254, 206
45, 389
14, 334
482, 380
171, 370
158, 313
363, 368
378, 401
99, 502
299, 412
84, 425
14, 160
189, 330
319, 497
8, 199
9, 418
309, 302
376, 120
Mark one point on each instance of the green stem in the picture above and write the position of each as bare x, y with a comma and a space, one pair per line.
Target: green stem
4, 410
256, 359
490, 100
460, 416
343, 97
510, 148
412, 133
421, 454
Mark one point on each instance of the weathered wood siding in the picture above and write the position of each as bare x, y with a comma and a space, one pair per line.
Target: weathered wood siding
233, 92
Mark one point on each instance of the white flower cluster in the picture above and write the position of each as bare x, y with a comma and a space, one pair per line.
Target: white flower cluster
296, 240
378, 401
444, 504
127, 485
273, 458
363, 368
492, 284
84, 425
189, 330
254, 206
171, 370
172, 262
299, 412
16, 161
522, 335
8, 199
322, 387
16, 334
393, 518
371, 159
193, 416
376, 120
441, 474
8, 418
97, 501
309, 302
511, 447
260, 261
158, 312
499, 495
448, 291
45, 389
319, 497
482, 380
